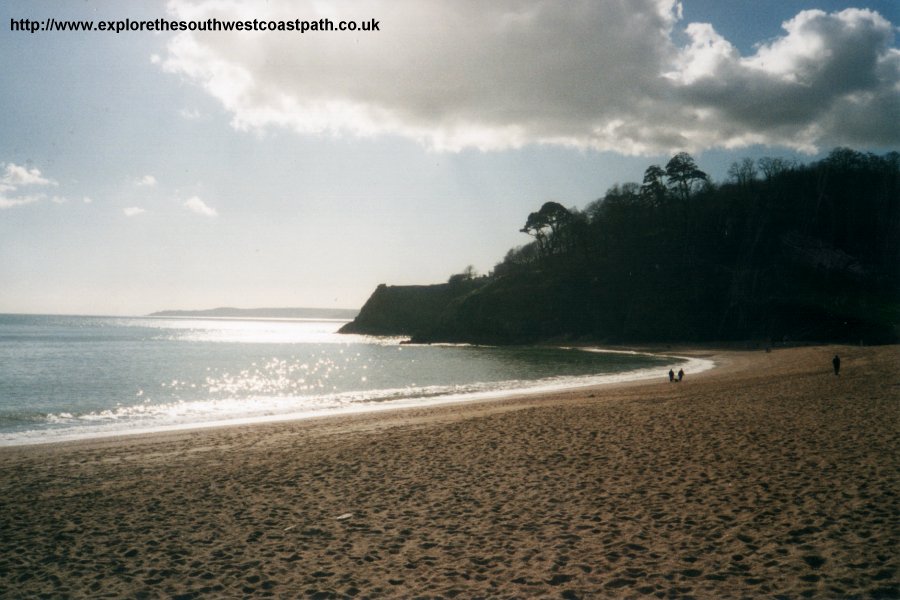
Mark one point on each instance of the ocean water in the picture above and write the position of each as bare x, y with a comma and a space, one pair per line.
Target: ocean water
64, 377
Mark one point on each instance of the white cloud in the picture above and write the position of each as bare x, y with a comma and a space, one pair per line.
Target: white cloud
87, 200
832, 79
146, 181
196, 205
602, 74
18, 201
190, 114
133, 211
15, 176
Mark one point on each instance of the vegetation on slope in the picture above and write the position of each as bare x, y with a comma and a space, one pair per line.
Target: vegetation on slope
779, 251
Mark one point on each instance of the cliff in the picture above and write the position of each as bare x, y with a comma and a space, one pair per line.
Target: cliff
533, 307
805, 253
408, 309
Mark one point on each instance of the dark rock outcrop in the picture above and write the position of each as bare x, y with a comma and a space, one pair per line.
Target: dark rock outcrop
408, 310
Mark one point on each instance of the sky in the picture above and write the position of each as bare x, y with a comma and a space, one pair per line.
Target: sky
142, 171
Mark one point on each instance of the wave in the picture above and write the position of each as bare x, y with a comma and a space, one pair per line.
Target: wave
25, 428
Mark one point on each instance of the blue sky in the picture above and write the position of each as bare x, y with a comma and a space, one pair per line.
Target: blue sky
143, 171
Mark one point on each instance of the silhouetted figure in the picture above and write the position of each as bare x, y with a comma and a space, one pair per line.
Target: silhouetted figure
836, 363
671, 375
680, 374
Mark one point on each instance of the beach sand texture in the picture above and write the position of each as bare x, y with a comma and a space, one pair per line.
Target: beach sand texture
766, 477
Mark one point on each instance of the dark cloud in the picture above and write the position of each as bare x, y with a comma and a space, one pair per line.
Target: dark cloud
829, 80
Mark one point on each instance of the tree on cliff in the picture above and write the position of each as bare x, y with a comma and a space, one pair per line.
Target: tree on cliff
468, 274
547, 226
807, 251
683, 174
653, 190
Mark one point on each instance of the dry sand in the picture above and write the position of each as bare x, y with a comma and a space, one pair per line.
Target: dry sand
767, 477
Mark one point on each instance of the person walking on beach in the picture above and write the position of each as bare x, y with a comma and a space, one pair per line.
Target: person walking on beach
680, 374
671, 375
836, 363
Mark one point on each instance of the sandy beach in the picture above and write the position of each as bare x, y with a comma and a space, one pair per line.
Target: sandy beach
766, 477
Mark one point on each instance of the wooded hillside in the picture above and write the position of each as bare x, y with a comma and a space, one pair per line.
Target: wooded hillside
778, 252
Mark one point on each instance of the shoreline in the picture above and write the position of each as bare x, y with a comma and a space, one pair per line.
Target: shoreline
459, 406
694, 364
766, 475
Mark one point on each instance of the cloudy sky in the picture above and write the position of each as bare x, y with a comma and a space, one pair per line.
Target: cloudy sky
143, 170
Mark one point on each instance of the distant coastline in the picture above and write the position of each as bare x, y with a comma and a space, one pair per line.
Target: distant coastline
226, 312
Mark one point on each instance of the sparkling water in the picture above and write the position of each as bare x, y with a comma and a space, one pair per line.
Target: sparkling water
64, 377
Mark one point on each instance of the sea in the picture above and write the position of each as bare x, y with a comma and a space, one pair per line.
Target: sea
75, 377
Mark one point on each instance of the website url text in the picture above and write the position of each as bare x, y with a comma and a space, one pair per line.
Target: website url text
129, 25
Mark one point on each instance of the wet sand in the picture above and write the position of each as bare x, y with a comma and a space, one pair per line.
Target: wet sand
766, 477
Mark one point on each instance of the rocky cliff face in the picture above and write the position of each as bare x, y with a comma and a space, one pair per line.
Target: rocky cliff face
408, 309
529, 307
